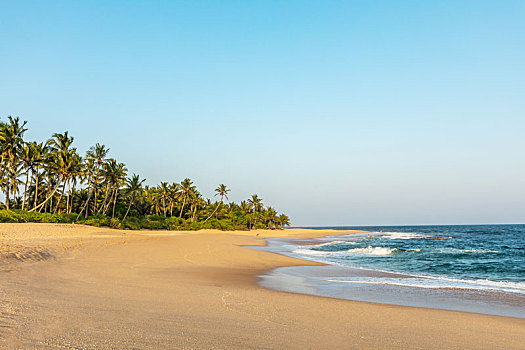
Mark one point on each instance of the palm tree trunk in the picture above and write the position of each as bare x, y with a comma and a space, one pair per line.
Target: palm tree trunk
90, 192
48, 198
85, 205
60, 198
182, 209
218, 205
114, 202
36, 187
129, 207
105, 198
7, 198
105, 206
194, 213
67, 196
25, 190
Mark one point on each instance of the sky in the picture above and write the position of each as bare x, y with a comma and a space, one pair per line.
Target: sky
334, 112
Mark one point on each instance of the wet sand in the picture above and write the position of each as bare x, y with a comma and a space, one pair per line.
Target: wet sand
77, 287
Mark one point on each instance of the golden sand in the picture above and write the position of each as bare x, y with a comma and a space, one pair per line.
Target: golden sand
78, 287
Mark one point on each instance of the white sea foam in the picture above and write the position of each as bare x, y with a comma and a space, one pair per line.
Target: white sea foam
466, 251
403, 235
376, 251
313, 252
439, 283
330, 243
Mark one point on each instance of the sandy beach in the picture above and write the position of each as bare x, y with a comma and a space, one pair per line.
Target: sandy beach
80, 287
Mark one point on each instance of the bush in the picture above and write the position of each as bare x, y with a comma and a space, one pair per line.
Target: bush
150, 222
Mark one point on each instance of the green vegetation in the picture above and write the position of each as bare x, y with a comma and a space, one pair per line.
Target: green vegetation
50, 182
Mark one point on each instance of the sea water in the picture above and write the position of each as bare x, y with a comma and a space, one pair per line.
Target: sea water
479, 268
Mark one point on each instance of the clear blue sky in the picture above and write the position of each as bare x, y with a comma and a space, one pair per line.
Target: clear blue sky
335, 112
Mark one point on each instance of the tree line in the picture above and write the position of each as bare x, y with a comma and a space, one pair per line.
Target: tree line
52, 177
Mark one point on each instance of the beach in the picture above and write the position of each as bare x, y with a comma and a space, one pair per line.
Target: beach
81, 287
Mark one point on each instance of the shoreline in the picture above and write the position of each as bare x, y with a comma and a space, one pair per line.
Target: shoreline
365, 284
105, 288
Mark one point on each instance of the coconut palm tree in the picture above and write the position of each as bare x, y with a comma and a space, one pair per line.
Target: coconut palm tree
270, 217
134, 188
53, 170
282, 220
60, 165
98, 154
27, 157
11, 142
163, 196
41, 153
115, 176
186, 189
196, 202
89, 172
255, 206
222, 191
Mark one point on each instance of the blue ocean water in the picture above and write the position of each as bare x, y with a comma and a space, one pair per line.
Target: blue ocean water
480, 257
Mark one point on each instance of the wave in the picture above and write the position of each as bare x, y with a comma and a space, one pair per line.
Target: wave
374, 251
439, 283
331, 243
466, 251
403, 235
315, 252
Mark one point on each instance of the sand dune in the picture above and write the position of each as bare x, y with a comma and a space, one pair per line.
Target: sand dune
77, 287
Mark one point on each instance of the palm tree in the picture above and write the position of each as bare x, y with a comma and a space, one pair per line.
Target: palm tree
40, 155
186, 188
283, 220
270, 217
11, 142
222, 191
195, 203
53, 170
89, 174
134, 187
163, 196
114, 175
59, 165
69, 162
98, 154
27, 158
255, 206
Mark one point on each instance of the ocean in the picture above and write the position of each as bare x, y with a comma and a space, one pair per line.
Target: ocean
475, 268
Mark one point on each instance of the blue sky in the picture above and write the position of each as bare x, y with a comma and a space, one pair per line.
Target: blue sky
335, 112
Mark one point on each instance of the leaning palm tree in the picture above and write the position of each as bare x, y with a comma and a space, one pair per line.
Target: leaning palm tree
134, 188
59, 167
222, 191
